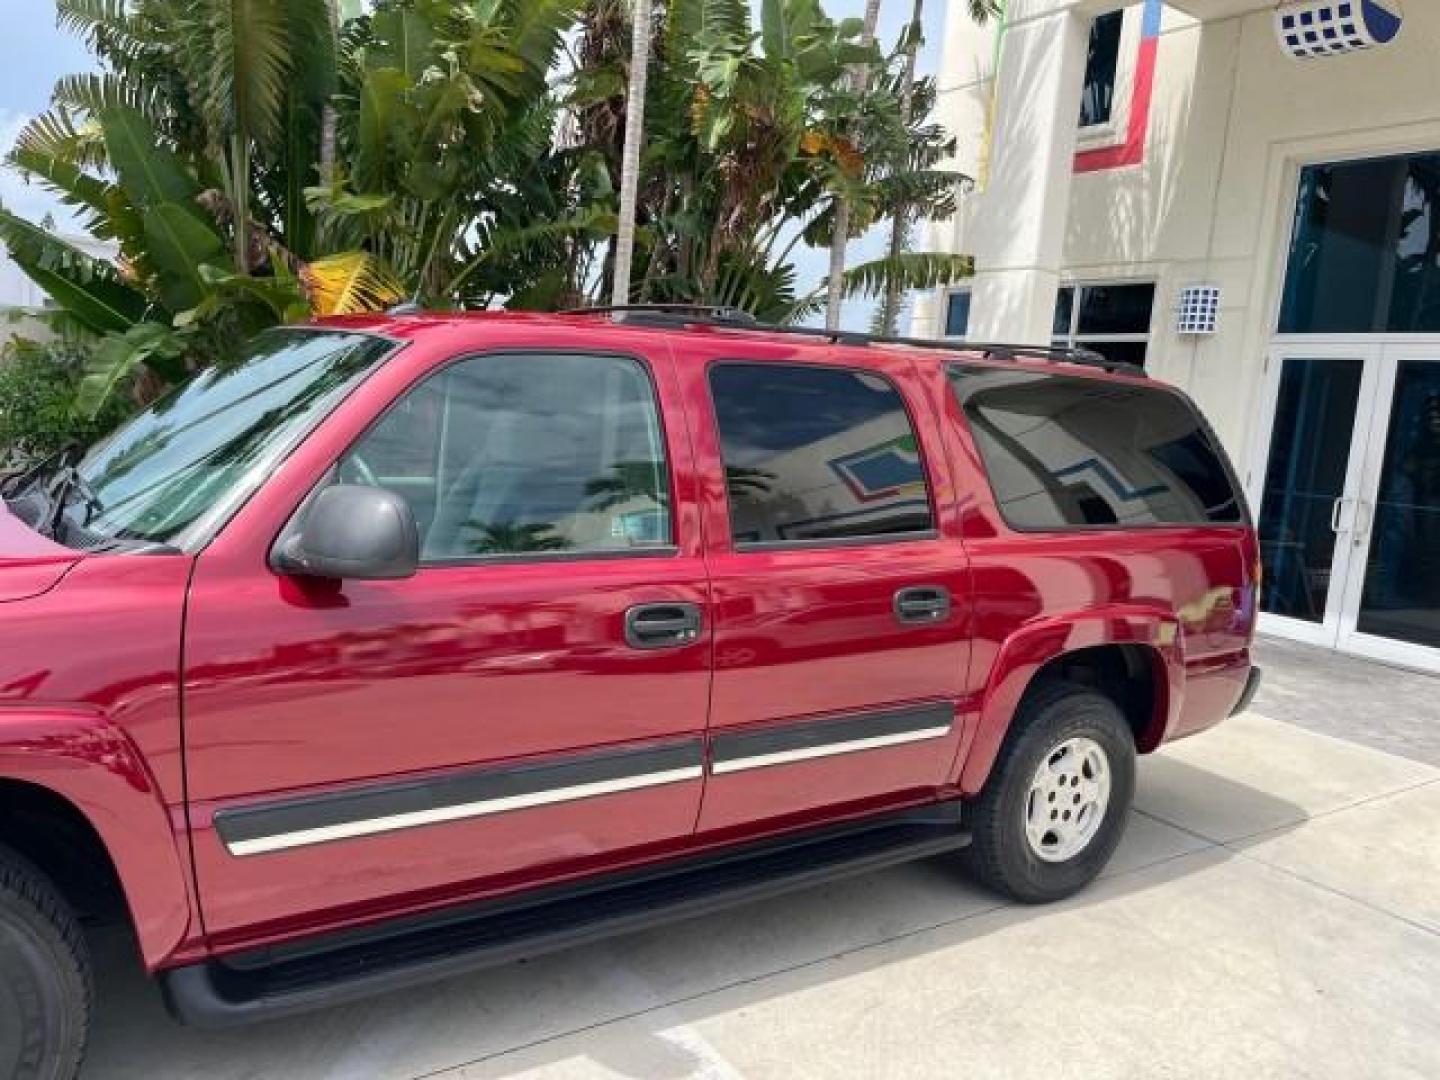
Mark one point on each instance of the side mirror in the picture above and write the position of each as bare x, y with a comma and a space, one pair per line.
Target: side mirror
352, 531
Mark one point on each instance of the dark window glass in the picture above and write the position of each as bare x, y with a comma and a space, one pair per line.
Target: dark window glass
957, 314
1115, 309
815, 453
1098, 97
1074, 452
1064, 308
1125, 352
508, 455
1365, 251
1402, 580
1309, 455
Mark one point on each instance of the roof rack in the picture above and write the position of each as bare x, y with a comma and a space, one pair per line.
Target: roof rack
730, 318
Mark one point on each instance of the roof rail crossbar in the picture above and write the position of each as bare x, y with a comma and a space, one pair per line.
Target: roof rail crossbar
684, 313
723, 317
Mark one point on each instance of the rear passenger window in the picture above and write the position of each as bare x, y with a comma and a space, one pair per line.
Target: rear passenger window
1074, 452
524, 454
816, 453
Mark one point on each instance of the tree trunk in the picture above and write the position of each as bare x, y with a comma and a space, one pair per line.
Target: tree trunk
841, 236
630, 156
900, 225
240, 199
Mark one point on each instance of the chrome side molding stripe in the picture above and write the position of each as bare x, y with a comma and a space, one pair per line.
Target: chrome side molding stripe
381, 808
807, 739
373, 809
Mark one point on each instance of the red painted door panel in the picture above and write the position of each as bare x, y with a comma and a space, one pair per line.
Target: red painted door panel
822, 697
371, 747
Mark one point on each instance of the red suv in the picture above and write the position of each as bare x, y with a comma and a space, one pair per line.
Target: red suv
417, 643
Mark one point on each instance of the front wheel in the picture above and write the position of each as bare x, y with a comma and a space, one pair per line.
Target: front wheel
44, 978
1056, 803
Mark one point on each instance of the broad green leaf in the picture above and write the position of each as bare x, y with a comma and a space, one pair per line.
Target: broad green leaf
85, 286
118, 357
149, 173
179, 245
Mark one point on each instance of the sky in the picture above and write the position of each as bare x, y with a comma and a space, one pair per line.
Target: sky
34, 53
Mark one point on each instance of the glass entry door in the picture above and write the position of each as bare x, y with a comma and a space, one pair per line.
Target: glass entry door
1349, 499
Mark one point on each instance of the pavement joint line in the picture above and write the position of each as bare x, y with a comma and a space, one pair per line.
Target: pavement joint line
1245, 853
686, 999
1333, 890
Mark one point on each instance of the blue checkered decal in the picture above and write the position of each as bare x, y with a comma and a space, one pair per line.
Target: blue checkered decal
1311, 28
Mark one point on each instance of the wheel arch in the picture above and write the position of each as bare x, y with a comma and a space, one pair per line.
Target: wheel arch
75, 770
1112, 650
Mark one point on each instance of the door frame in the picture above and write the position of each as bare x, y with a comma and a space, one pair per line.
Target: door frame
1381, 355
1382, 420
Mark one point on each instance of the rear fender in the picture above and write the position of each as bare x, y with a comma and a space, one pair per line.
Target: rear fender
79, 756
1024, 653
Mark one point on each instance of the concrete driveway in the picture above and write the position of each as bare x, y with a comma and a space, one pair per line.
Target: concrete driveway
1274, 911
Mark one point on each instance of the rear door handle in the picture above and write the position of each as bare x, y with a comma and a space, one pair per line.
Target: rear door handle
662, 626
922, 604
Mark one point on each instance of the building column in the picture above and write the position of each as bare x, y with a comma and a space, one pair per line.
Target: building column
1017, 225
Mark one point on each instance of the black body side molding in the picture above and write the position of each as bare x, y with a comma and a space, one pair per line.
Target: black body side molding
348, 965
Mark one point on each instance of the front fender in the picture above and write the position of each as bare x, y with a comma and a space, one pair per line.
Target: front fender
79, 756
1022, 655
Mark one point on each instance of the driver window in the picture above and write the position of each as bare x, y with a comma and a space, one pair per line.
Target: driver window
518, 454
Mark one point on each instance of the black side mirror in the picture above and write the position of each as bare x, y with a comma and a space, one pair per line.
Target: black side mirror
352, 531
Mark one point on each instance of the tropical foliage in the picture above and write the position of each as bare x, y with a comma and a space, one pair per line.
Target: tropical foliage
38, 384
259, 161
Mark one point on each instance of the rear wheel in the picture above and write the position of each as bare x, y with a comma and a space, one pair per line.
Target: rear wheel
45, 987
1055, 805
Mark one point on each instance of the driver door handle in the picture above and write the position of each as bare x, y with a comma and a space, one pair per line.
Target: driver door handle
662, 626
922, 604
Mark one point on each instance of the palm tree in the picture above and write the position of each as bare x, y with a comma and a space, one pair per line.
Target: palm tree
835, 290
630, 159
981, 12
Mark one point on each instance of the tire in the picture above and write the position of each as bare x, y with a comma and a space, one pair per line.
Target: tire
45, 978
1063, 726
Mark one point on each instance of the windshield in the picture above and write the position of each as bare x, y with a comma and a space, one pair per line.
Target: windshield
177, 471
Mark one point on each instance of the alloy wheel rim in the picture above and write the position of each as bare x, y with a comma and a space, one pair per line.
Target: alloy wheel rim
1067, 800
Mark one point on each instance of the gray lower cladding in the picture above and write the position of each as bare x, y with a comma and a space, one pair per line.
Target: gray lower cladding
803, 740
379, 808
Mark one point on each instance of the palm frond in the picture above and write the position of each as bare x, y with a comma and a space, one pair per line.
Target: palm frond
910, 270
248, 66
350, 284
56, 134
91, 17
92, 93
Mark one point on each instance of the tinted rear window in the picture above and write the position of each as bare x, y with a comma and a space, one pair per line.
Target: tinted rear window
816, 453
1065, 453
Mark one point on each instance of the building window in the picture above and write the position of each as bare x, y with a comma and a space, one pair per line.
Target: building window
957, 313
1365, 253
1098, 96
1113, 320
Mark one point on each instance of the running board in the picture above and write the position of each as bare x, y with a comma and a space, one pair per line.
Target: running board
346, 966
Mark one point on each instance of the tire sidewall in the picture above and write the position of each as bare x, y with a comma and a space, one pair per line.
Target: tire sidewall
1069, 715
44, 993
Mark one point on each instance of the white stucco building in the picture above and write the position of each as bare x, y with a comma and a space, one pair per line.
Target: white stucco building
1127, 154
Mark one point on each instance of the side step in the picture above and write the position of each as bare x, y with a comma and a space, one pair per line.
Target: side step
345, 966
